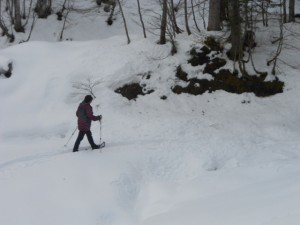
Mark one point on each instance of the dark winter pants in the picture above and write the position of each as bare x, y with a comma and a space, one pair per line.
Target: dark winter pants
81, 136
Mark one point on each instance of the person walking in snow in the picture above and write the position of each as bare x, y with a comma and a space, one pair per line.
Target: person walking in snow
85, 117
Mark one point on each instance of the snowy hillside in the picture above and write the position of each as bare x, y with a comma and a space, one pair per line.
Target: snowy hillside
208, 159
87, 21
212, 159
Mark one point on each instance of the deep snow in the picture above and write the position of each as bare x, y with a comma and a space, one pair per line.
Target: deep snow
208, 159
214, 159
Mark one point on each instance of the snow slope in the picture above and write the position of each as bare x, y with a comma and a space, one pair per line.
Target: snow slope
208, 159
214, 159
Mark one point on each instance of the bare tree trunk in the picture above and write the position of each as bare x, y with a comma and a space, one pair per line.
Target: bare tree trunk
264, 13
64, 25
203, 13
171, 25
3, 26
214, 19
291, 10
176, 28
279, 48
10, 8
124, 20
224, 10
29, 11
24, 10
171, 35
194, 17
235, 53
43, 8
18, 18
284, 11
5, 31
246, 16
163, 25
141, 18
32, 26
186, 18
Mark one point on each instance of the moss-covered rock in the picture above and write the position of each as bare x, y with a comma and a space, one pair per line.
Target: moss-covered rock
131, 91
6, 72
181, 74
213, 65
199, 58
227, 81
213, 44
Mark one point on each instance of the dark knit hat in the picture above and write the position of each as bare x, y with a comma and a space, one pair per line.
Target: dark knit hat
88, 99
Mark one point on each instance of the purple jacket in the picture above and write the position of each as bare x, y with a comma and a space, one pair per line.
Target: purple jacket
85, 116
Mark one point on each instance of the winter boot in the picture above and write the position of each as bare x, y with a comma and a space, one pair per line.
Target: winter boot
96, 147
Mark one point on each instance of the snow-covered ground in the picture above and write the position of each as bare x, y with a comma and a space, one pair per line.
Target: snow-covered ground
213, 159
208, 159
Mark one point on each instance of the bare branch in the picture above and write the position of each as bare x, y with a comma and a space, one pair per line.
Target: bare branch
87, 86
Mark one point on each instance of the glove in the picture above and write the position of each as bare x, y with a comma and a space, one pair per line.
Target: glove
99, 117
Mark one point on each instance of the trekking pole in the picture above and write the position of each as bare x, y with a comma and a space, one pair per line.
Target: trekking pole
71, 137
100, 131
102, 144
